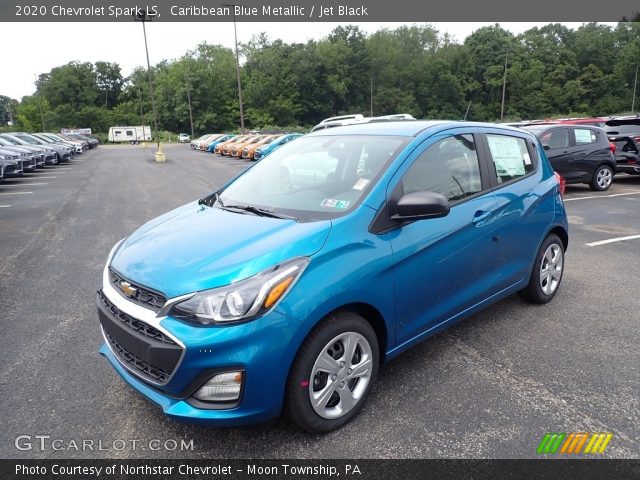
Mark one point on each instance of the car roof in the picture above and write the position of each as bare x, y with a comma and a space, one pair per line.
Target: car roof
549, 126
405, 128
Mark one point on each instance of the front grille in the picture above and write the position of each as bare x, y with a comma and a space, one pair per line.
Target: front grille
133, 323
155, 373
142, 296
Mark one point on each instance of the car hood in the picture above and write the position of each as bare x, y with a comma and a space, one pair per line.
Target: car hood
196, 247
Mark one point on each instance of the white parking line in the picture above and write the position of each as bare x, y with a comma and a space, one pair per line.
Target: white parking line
45, 178
601, 196
23, 184
16, 193
5, 206
612, 240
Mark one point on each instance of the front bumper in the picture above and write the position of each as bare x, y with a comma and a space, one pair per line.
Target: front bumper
29, 165
260, 348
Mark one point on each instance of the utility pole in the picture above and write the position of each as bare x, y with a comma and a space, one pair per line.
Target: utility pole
635, 84
235, 34
467, 112
371, 97
504, 83
40, 104
142, 16
190, 111
141, 111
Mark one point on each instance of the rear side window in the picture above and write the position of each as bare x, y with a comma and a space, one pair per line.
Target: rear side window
556, 138
624, 130
510, 156
585, 136
449, 167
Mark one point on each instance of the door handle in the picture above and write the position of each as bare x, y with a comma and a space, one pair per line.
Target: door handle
481, 215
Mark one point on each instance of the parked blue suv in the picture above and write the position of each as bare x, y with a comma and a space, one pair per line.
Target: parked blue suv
287, 288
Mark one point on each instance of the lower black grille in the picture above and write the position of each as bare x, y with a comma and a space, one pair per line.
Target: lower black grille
142, 348
132, 361
135, 324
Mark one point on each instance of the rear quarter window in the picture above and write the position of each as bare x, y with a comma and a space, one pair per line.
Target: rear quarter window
585, 136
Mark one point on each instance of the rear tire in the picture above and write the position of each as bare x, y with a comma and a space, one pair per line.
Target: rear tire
547, 272
602, 178
335, 369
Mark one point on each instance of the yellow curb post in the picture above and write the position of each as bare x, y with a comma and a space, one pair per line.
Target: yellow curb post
160, 157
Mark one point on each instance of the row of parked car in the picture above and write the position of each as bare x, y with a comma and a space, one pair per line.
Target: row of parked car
582, 150
22, 152
252, 146
590, 150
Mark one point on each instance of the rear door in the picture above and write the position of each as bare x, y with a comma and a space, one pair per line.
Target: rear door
590, 148
443, 266
557, 142
525, 203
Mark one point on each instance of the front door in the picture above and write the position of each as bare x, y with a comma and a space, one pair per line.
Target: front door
444, 266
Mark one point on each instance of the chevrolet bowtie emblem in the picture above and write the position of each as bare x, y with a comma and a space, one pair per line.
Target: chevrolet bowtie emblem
127, 289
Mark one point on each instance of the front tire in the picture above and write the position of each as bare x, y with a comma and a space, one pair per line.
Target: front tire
332, 374
547, 272
602, 178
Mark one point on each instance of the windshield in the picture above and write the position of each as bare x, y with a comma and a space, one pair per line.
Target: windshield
29, 139
315, 177
43, 138
9, 140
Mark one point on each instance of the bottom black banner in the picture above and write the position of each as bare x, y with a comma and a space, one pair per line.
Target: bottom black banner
317, 469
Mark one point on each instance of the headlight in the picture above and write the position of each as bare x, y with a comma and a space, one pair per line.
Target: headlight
242, 300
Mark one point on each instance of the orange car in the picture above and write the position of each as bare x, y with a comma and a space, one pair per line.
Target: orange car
220, 147
236, 149
249, 150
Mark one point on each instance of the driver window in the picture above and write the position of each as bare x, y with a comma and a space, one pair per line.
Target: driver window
449, 167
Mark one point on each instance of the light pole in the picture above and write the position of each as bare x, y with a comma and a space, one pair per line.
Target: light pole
190, 111
141, 111
142, 16
371, 97
40, 104
504, 83
235, 34
635, 84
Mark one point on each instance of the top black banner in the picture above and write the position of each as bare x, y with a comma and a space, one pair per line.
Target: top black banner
318, 11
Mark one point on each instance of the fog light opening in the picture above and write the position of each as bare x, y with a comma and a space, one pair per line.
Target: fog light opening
223, 387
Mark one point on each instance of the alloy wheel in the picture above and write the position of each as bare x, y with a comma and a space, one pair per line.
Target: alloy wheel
551, 269
340, 375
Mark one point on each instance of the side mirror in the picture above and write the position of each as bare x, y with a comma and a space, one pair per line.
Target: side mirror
421, 205
546, 146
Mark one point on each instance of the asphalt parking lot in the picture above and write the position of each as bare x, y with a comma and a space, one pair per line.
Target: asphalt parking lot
490, 387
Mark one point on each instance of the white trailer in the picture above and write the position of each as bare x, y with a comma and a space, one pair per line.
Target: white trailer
133, 135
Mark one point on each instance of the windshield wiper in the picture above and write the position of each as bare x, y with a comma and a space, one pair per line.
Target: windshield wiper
259, 211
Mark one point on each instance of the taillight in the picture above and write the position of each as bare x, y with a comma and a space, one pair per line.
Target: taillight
637, 138
562, 182
612, 147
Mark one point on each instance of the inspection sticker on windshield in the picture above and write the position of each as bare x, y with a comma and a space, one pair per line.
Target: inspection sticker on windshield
360, 184
330, 202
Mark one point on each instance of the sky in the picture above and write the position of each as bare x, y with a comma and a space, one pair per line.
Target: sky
60, 43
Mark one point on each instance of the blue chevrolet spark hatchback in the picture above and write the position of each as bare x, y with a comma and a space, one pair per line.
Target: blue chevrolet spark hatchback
287, 288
